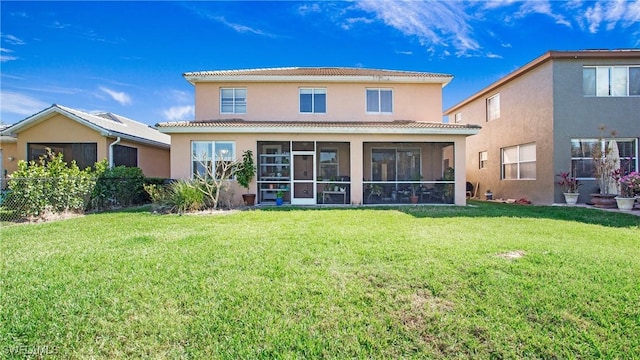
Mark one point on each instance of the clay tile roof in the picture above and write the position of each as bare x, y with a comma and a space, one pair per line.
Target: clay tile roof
314, 126
316, 71
301, 74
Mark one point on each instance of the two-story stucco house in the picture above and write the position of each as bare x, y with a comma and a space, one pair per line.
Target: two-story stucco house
86, 138
545, 117
326, 135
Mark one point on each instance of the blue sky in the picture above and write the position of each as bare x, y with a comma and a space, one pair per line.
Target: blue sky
128, 57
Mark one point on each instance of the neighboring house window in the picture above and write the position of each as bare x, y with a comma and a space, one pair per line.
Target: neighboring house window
329, 163
125, 156
313, 101
233, 101
84, 154
582, 151
493, 107
483, 159
519, 162
204, 154
379, 101
458, 117
611, 81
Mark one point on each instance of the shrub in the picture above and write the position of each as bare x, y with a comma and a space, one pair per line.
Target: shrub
47, 185
117, 186
186, 196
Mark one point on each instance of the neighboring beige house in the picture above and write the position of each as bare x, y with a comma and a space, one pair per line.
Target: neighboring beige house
87, 138
8, 153
326, 135
544, 118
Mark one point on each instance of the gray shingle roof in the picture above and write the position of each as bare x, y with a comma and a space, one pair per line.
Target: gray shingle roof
108, 124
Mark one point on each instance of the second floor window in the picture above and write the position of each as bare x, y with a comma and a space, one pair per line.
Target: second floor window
493, 107
611, 81
313, 101
379, 101
233, 101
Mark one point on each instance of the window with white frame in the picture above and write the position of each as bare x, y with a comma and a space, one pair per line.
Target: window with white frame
582, 151
458, 117
493, 107
313, 100
519, 162
233, 101
379, 101
204, 154
611, 81
483, 159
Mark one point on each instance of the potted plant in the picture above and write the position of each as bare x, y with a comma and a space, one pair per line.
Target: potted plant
629, 186
279, 197
570, 187
245, 171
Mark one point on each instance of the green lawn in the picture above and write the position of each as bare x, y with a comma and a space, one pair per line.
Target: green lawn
412, 282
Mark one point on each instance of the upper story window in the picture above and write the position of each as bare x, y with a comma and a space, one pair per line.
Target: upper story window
611, 81
380, 101
313, 100
233, 101
458, 117
519, 162
493, 107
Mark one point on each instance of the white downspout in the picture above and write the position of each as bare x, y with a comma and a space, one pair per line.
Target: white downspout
111, 151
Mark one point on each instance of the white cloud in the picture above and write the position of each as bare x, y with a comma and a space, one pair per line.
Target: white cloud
20, 104
433, 23
10, 39
121, 97
609, 14
306, 9
176, 113
5, 58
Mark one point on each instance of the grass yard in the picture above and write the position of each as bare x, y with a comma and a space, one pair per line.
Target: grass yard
494, 280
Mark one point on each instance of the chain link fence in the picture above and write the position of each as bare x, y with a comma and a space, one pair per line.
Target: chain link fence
34, 199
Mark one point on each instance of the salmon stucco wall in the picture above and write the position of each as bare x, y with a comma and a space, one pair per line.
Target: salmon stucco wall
153, 161
345, 102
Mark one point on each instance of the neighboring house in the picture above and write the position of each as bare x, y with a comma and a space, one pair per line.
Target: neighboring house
544, 118
87, 138
8, 153
326, 135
